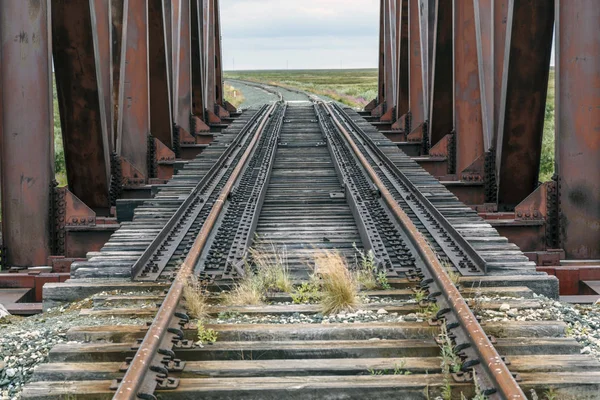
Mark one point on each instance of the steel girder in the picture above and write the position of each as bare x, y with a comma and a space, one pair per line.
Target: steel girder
133, 77
475, 73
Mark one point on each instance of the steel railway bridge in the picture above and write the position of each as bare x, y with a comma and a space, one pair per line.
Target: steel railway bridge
438, 176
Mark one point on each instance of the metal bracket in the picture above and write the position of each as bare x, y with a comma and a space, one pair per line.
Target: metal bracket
462, 377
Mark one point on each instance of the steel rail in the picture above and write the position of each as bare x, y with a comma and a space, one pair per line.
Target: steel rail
495, 368
137, 372
179, 217
457, 238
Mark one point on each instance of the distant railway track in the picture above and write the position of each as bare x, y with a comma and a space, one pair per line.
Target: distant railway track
309, 177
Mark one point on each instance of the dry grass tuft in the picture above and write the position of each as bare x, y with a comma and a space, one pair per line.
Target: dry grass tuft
269, 273
195, 298
339, 286
272, 268
248, 291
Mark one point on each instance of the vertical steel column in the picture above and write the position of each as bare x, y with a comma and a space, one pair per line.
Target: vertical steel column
417, 100
499, 18
524, 89
134, 123
467, 98
197, 61
578, 126
209, 51
389, 67
402, 45
26, 129
440, 110
182, 85
102, 34
381, 81
484, 32
117, 53
81, 99
427, 21
218, 55
161, 119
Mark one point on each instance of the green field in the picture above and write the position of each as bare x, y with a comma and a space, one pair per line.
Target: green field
353, 87
358, 87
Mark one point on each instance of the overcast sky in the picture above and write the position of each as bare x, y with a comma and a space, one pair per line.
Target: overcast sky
299, 34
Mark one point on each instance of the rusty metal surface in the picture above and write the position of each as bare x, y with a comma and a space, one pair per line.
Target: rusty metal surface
484, 31
496, 370
427, 26
467, 98
416, 101
524, 89
389, 36
402, 96
134, 116
82, 107
100, 11
136, 375
182, 79
209, 51
500, 15
440, 111
161, 120
381, 60
578, 126
218, 54
26, 130
197, 60
117, 14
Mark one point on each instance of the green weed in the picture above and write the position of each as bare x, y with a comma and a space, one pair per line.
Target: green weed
366, 269
307, 292
382, 280
451, 362
420, 295
550, 394
206, 335
228, 315
398, 370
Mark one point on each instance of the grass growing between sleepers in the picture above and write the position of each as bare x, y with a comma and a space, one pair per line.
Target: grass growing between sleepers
195, 296
267, 272
339, 286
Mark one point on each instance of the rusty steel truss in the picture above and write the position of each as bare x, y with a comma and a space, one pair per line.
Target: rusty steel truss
139, 84
468, 80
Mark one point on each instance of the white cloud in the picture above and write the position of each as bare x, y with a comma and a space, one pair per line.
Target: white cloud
270, 34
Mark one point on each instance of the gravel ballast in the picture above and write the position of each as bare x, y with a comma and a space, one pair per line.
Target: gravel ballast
26, 342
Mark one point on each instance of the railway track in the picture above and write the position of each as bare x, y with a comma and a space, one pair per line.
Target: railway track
308, 177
